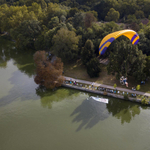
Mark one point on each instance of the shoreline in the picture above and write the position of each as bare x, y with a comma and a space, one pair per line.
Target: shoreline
103, 93
92, 87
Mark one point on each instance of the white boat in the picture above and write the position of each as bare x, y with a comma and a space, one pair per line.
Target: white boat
103, 100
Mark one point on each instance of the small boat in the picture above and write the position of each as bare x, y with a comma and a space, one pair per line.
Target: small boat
103, 100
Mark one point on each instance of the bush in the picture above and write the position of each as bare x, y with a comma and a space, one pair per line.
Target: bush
138, 87
115, 85
144, 101
93, 67
126, 96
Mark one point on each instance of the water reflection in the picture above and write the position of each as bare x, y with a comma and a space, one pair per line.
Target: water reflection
123, 110
49, 96
89, 113
5, 47
22, 59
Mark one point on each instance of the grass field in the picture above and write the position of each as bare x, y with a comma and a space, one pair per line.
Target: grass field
77, 70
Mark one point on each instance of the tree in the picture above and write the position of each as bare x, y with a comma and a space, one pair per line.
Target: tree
26, 33
89, 19
55, 10
93, 67
13, 16
62, 18
72, 12
139, 14
144, 43
147, 67
112, 15
66, 44
53, 22
78, 19
87, 52
126, 60
48, 72
131, 19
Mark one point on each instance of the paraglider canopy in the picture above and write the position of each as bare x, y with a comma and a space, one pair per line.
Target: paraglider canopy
107, 40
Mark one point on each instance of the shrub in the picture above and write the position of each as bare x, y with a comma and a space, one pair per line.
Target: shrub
126, 96
115, 85
138, 87
93, 67
144, 101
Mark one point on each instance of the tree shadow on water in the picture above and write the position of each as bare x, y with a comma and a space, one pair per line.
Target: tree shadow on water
90, 112
23, 88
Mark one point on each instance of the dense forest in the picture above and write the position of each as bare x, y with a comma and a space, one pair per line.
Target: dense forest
73, 29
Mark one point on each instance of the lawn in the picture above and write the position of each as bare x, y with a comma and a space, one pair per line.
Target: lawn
78, 70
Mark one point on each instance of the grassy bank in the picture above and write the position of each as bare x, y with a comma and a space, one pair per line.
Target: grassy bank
77, 70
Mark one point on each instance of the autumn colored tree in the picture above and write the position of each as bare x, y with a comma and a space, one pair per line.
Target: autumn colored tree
48, 72
89, 19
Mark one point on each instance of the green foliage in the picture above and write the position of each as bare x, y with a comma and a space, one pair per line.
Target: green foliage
26, 34
115, 85
126, 96
13, 16
93, 67
112, 15
144, 43
139, 14
126, 60
144, 101
66, 44
131, 19
147, 67
138, 87
72, 12
78, 19
56, 10
35, 24
53, 22
87, 52
147, 32
62, 18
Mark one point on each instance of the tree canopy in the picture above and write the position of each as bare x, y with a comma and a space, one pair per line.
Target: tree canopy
64, 27
126, 60
66, 44
48, 72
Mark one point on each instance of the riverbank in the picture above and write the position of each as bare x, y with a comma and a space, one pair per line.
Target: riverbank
78, 71
121, 93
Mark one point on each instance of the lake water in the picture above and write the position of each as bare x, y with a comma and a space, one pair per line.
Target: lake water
32, 118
